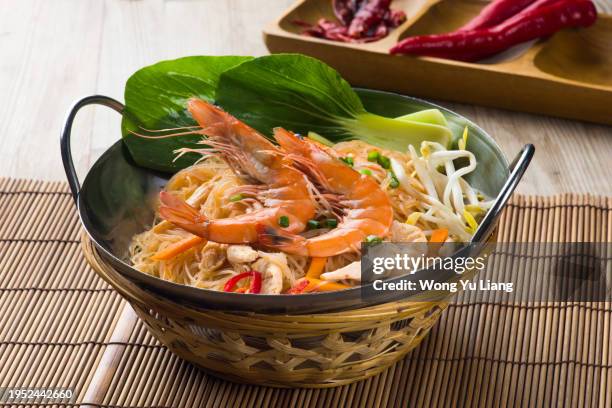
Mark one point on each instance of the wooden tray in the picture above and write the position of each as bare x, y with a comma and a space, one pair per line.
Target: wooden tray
569, 75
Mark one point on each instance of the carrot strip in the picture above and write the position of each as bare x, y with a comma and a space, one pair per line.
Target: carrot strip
317, 265
318, 285
177, 248
161, 226
439, 235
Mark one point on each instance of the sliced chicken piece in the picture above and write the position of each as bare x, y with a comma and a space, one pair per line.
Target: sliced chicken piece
237, 254
402, 232
212, 257
351, 271
272, 276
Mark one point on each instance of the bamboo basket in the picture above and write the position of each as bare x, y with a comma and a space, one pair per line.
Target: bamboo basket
313, 350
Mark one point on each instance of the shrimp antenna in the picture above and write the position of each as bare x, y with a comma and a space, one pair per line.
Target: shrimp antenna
190, 130
168, 129
165, 136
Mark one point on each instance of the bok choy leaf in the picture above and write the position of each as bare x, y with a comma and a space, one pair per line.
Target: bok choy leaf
304, 94
294, 91
156, 98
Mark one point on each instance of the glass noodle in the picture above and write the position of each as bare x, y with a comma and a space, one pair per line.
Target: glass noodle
428, 192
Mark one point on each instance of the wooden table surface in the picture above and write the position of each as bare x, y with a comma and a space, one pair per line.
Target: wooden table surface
52, 52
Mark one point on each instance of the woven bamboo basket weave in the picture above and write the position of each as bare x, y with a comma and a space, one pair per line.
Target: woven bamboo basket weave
312, 350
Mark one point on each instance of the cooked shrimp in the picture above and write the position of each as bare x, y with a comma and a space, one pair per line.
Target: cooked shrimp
366, 208
282, 189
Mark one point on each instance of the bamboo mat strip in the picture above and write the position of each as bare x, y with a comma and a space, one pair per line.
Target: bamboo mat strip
56, 316
62, 326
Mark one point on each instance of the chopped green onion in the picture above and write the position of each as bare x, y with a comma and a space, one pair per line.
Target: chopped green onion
373, 239
373, 155
384, 161
348, 160
236, 197
367, 172
331, 223
394, 183
313, 224
283, 221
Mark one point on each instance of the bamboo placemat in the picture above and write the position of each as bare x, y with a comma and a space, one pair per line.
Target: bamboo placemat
61, 326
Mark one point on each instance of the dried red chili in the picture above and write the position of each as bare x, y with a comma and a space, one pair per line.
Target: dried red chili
371, 13
255, 286
345, 10
478, 44
395, 18
359, 21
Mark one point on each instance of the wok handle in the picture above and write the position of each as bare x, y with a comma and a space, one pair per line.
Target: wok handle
71, 174
517, 170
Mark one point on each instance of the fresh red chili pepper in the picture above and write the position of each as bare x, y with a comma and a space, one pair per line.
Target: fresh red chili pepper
255, 286
478, 44
494, 13
536, 5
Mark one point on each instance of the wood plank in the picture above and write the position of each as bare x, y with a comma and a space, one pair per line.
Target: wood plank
48, 58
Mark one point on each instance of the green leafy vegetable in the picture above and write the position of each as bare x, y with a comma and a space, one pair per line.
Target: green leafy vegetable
297, 92
318, 138
303, 94
156, 97
431, 116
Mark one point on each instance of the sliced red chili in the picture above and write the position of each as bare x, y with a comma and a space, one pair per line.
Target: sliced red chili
255, 286
255, 282
298, 287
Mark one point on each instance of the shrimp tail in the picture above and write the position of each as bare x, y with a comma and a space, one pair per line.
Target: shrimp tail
183, 215
273, 238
